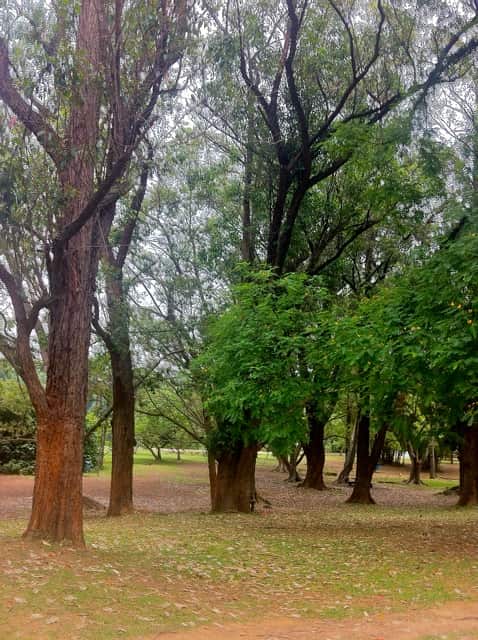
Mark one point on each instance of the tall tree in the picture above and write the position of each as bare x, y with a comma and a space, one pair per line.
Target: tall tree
95, 86
116, 337
324, 77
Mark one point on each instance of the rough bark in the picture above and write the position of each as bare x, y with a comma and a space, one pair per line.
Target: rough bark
235, 480
71, 255
469, 468
314, 451
57, 504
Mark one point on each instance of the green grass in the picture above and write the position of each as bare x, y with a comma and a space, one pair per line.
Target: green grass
143, 574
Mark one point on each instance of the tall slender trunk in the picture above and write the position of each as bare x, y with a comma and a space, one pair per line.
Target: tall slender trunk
101, 452
314, 450
235, 481
247, 244
117, 341
469, 468
344, 475
433, 459
366, 460
123, 442
211, 466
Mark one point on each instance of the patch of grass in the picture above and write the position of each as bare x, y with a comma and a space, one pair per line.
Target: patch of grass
144, 573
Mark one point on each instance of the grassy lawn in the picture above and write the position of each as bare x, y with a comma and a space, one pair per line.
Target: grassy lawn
147, 573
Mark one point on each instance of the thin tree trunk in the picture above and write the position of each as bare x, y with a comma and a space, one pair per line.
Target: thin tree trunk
235, 481
123, 442
212, 469
433, 461
469, 468
117, 341
344, 475
247, 244
101, 452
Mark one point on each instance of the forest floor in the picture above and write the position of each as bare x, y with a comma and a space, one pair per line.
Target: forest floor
309, 567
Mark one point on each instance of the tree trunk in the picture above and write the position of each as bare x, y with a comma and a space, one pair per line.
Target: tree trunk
433, 462
314, 451
291, 468
57, 496
415, 469
469, 464
343, 476
117, 341
366, 461
211, 465
100, 461
235, 481
57, 504
281, 464
247, 244
122, 424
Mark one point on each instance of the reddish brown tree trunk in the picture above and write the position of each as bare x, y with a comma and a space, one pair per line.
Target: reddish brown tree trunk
314, 451
469, 466
57, 504
235, 481
71, 255
57, 496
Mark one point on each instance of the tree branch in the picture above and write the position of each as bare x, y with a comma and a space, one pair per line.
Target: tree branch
30, 118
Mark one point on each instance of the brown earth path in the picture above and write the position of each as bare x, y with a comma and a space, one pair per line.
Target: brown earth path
456, 620
162, 493
452, 621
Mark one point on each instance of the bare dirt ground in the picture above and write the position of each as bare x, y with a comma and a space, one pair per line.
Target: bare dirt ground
161, 491
457, 621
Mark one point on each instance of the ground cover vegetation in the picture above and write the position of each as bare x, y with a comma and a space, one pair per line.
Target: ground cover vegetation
234, 228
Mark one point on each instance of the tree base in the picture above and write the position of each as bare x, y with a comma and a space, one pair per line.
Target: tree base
360, 495
318, 486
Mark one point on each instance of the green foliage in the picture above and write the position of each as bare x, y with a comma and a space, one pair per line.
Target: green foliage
251, 367
415, 341
17, 427
169, 417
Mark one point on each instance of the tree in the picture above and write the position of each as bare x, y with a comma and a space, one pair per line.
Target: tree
117, 341
89, 103
251, 379
317, 108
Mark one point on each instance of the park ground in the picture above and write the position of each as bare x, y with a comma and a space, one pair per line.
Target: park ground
309, 567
